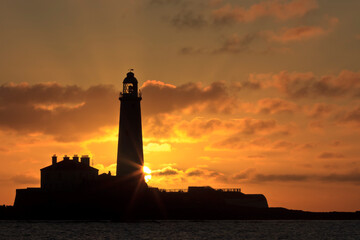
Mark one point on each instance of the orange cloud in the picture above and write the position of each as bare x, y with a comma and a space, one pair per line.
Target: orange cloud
165, 98
280, 10
319, 110
351, 116
300, 85
331, 155
296, 34
275, 105
68, 113
301, 33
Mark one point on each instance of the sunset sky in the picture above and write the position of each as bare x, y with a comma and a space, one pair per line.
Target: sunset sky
263, 95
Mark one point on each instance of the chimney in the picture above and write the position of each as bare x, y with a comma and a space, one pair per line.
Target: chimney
54, 159
66, 158
85, 159
76, 158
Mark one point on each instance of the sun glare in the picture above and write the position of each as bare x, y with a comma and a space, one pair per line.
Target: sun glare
147, 173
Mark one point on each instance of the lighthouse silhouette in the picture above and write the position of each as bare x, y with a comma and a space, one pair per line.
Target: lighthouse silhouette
130, 159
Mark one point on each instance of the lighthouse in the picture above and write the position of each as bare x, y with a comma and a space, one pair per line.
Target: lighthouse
130, 159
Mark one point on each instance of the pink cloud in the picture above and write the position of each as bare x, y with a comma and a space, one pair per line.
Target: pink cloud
280, 10
300, 85
302, 33
296, 34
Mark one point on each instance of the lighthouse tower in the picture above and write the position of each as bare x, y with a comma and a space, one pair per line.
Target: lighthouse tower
130, 159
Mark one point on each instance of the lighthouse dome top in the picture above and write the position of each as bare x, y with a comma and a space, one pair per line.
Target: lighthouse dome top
130, 78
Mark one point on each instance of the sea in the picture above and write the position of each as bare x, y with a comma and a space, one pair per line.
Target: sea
219, 229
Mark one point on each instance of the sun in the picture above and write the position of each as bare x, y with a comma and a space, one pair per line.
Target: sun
147, 173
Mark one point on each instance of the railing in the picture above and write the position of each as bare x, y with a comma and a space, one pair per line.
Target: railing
139, 94
173, 190
229, 189
215, 189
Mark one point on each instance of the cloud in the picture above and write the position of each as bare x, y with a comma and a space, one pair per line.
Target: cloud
68, 113
301, 85
279, 10
236, 44
352, 116
319, 110
250, 84
199, 127
301, 33
165, 98
201, 174
156, 147
243, 175
167, 171
233, 44
296, 34
246, 127
194, 172
252, 126
275, 106
331, 155
282, 144
353, 177
169, 128
188, 19
192, 50
350, 177
72, 113
166, 2
187, 174
280, 177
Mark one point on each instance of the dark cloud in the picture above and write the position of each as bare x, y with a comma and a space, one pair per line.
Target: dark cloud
283, 145
246, 126
165, 98
352, 116
244, 175
168, 171
280, 10
248, 84
237, 44
320, 110
280, 177
168, 2
195, 173
250, 175
192, 50
233, 44
331, 155
276, 105
68, 113
301, 85
198, 128
252, 126
353, 177
72, 113
188, 19
350, 177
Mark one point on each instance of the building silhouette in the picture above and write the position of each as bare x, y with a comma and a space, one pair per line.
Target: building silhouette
68, 175
130, 158
72, 188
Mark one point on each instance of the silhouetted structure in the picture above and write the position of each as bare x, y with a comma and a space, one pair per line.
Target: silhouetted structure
68, 175
130, 159
73, 189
